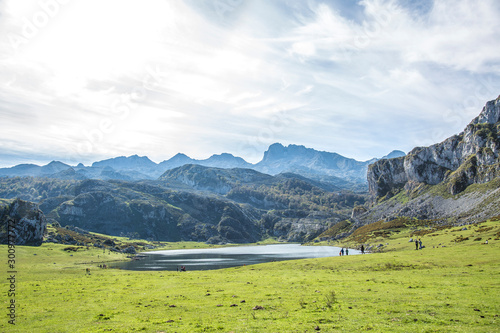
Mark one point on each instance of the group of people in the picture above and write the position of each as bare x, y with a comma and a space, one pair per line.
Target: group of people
418, 244
346, 252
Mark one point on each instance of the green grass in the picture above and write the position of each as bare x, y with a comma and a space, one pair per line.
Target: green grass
452, 287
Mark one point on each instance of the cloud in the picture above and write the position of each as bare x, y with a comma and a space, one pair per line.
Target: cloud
91, 80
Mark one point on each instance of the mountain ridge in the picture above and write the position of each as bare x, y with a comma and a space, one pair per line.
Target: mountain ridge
457, 179
469, 157
330, 167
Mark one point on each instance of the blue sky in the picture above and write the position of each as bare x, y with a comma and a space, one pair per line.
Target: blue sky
88, 80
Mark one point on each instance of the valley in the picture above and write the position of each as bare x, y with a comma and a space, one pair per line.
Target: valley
65, 227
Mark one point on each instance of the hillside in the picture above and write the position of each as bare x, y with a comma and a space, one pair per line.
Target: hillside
456, 179
191, 202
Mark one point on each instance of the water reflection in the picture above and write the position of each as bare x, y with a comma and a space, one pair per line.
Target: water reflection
206, 259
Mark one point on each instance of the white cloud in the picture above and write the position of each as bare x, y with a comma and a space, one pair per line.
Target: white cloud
88, 80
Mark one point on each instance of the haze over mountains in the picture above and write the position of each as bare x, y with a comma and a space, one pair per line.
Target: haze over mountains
319, 165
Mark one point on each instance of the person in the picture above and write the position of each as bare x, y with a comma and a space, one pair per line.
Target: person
346, 251
416, 244
183, 268
342, 252
420, 243
362, 249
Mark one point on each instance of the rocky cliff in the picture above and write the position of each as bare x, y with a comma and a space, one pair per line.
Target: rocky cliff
306, 161
470, 157
22, 223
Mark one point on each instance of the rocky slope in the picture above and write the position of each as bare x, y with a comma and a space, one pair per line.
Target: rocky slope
457, 179
191, 202
467, 158
310, 162
22, 223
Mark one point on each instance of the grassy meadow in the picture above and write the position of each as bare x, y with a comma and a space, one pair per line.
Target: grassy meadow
452, 285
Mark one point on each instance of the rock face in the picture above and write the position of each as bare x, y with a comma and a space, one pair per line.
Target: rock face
306, 161
23, 221
461, 160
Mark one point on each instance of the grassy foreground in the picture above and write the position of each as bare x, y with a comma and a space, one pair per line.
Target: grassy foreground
454, 288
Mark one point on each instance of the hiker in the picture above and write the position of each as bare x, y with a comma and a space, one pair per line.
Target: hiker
420, 243
362, 249
183, 268
346, 251
416, 244
342, 252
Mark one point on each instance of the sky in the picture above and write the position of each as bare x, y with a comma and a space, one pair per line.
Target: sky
86, 80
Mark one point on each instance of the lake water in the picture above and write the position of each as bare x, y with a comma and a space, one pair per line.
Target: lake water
206, 259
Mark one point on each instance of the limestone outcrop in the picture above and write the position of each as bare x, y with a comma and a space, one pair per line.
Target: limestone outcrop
22, 223
471, 157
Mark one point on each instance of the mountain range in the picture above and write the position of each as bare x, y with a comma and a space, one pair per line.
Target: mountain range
293, 194
319, 165
191, 202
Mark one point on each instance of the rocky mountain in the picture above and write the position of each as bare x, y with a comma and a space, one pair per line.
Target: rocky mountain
302, 160
217, 180
393, 154
461, 160
223, 160
457, 178
33, 170
324, 167
191, 202
312, 163
136, 163
21, 223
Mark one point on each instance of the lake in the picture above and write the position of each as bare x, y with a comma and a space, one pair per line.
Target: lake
206, 259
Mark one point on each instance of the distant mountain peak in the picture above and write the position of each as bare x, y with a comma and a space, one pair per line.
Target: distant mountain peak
490, 113
126, 163
180, 155
56, 163
394, 154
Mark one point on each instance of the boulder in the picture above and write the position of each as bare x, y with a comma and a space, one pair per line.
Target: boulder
22, 223
130, 250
